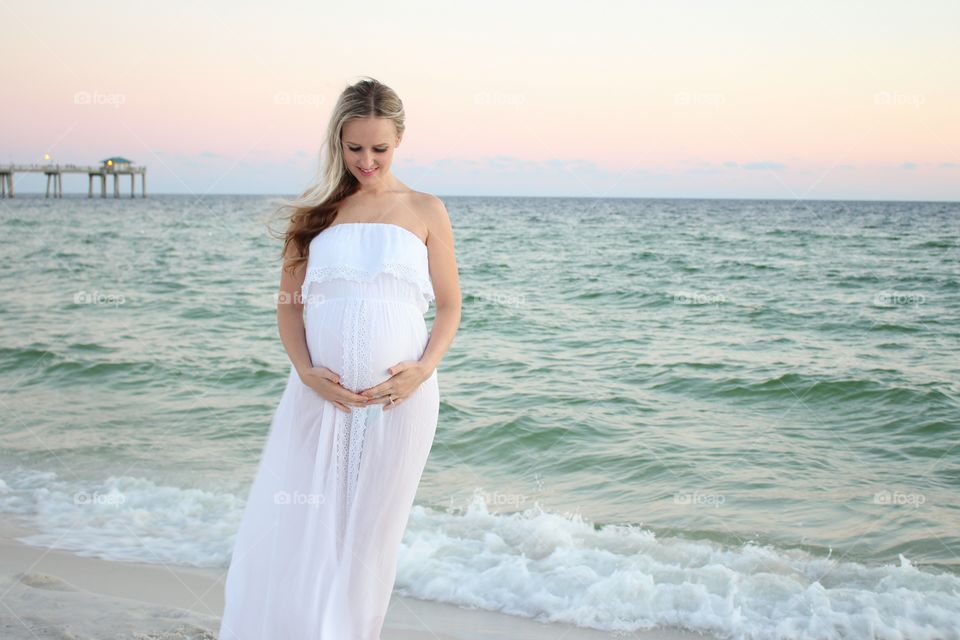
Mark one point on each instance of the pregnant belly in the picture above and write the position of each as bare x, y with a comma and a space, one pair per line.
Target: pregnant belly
359, 338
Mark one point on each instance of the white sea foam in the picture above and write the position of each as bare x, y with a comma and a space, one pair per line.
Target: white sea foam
561, 568
534, 564
124, 518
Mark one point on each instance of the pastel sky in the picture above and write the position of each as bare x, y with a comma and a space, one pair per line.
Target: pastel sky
791, 100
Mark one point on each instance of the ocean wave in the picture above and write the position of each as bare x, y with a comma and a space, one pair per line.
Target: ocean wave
812, 388
531, 563
123, 518
561, 568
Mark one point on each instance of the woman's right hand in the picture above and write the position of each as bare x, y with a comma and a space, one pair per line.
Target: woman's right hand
327, 385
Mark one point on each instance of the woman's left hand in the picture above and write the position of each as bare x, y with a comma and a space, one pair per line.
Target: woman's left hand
404, 379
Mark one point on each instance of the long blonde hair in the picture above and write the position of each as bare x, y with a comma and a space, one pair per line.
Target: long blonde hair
315, 208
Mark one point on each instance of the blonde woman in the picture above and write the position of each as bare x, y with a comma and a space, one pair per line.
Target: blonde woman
364, 256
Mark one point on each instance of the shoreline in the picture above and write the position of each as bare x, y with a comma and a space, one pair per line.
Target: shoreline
51, 593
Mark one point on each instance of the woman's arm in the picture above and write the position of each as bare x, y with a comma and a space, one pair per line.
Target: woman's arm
446, 285
290, 315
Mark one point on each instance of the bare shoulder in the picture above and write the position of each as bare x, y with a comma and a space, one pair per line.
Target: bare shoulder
434, 212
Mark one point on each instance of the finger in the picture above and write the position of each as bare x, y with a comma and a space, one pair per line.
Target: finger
379, 390
342, 407
392, 405
346, 395
402, 366
350, 396
329, 375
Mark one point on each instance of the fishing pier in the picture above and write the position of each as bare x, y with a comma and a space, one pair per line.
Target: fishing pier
115, 167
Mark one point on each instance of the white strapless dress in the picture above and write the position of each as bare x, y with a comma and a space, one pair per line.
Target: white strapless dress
315, 556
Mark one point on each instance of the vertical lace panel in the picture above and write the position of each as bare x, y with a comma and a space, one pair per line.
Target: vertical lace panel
352, 426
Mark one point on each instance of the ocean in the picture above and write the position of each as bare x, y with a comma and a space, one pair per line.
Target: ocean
734, 416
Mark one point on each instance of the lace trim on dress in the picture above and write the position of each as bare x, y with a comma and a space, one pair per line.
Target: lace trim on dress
397, 269
353, 427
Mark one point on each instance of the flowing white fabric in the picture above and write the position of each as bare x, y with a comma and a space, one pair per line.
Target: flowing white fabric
315, 555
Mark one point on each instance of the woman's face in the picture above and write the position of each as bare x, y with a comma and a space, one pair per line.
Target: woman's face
368, 145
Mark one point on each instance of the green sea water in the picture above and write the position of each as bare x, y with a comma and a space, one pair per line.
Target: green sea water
786, 373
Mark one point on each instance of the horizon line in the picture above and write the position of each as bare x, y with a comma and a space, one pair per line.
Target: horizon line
155, 194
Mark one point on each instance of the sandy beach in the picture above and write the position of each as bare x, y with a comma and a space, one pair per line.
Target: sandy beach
53, 594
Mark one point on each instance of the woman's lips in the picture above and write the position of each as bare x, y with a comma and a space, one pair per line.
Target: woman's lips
368, 173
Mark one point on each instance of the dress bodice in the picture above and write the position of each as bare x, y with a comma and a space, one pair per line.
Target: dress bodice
370, 260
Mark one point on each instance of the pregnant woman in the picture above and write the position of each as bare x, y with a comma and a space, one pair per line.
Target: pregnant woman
315, 556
